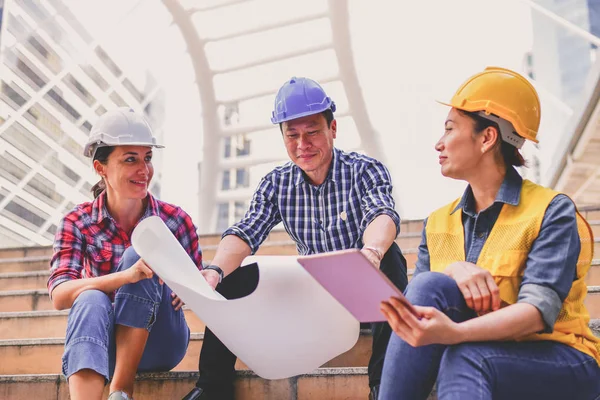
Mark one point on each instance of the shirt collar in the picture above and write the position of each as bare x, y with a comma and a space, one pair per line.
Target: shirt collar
334, 174
100, 212
509, 193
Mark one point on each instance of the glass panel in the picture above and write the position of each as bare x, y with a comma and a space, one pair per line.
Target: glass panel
52, 229
240, 210
100, 110
86, 189
227, 147
225, 183
243, 146
118, 100
19, 65
95, 76
107, 61
12, 169
222, 216
133, 90
42, 51
54, 96
59, 169
13, 95
241, 178
25, 211
25, 141
40, 186
45, 121
79, 89
86, 127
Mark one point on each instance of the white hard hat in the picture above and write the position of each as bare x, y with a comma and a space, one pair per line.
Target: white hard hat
120, 127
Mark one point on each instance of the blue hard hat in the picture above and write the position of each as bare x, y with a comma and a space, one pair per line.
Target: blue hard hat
298, 98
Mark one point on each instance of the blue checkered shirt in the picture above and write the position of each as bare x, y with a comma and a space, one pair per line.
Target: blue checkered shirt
328, 217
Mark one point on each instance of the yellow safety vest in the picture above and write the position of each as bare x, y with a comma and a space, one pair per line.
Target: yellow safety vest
505, 253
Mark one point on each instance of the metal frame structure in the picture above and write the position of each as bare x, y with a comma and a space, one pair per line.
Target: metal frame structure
214, 133
62, 46
576, 170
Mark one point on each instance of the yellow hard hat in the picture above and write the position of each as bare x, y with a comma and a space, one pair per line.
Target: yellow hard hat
504, 93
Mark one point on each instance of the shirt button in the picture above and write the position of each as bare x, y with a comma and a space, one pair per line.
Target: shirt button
481, 235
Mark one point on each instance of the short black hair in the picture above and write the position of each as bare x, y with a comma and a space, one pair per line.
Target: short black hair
327, 114
510, 154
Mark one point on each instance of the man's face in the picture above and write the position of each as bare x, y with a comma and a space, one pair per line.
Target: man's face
309, 144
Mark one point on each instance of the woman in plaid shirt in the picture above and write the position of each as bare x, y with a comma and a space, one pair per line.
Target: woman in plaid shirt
121, 314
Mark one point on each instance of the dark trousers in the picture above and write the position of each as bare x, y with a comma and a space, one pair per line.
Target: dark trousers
217, 363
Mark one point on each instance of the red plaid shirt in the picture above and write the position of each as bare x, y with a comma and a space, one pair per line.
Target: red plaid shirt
89, 242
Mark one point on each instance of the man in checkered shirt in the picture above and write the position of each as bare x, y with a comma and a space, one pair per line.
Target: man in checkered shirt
327, 200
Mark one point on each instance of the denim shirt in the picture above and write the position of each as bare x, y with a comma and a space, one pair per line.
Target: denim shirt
551, 265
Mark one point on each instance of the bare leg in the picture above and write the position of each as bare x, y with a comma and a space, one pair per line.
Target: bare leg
86, 384
130, 343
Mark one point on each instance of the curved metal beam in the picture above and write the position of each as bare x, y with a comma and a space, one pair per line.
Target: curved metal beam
210, 124
370, 140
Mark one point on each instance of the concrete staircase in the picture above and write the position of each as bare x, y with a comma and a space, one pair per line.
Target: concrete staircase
32, 334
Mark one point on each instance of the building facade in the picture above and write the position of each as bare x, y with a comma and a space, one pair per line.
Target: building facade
55, 80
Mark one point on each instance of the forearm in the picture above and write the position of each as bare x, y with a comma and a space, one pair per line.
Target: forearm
64, 295
380, 234
512, 322
231, 252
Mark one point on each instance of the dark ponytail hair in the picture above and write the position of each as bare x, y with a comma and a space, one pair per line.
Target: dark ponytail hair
510, 154
101, 155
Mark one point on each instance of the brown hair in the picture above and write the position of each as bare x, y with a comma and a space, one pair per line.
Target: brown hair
101, 155
510, 154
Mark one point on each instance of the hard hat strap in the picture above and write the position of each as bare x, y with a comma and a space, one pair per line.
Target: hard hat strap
507, 130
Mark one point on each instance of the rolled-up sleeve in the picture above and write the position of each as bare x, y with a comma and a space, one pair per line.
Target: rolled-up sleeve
551, 264
423, 263
377, 199
67, 261
262, 215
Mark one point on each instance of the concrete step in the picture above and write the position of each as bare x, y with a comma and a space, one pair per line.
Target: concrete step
591, 213
43, 324
43, 356
323, 383
36, 299
32, 280
24, 280
24, 264
25, 300
51, 323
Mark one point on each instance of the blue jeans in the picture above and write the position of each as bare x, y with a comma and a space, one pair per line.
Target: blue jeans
90, 339
483, 370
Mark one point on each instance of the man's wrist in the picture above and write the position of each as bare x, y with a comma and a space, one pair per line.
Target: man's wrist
374, 251
217, 269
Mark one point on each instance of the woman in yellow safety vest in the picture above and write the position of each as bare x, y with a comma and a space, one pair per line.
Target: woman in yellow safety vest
500, 278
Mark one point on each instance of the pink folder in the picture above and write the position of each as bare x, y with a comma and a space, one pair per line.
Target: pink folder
353, 281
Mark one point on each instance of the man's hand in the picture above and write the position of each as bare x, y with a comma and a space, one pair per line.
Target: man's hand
138, 271
177, 302
211, 276
477, 286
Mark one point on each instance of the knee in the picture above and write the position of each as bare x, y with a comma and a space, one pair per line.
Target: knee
92, 311
92, 298
465, 357
430, 284
462, 366
129, 258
